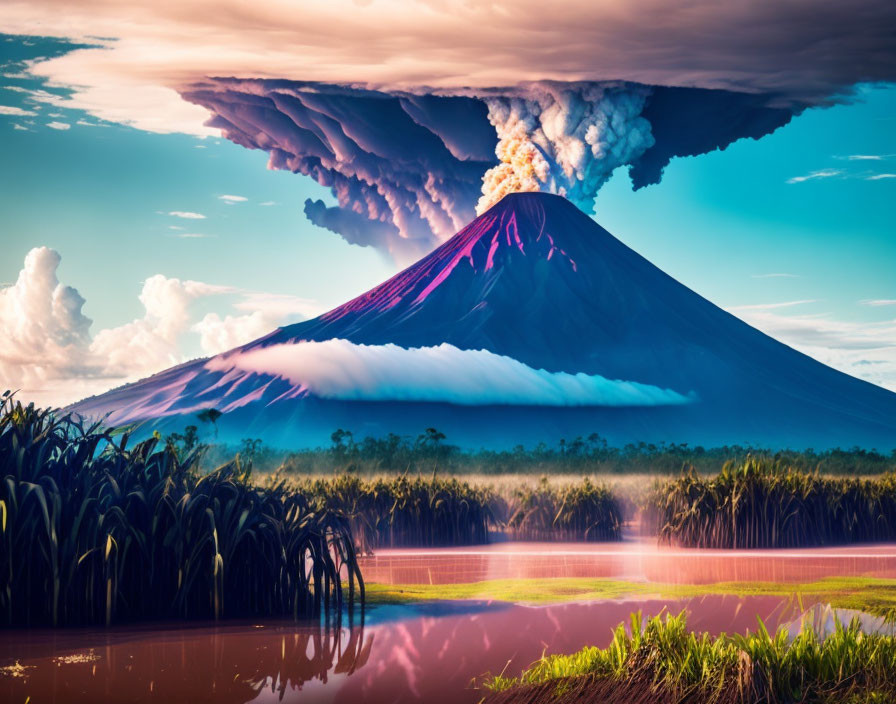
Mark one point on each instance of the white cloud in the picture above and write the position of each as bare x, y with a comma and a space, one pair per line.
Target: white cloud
262, 313
45, 335
49, 354
864, 350
267, 203
879, 302
187, 215
17, 126
865, 157
219, 334
279, 306
816, 175
194, 235
339, 369
19, 112
58, 125
775, 276
880, 177
771, 306
233, 199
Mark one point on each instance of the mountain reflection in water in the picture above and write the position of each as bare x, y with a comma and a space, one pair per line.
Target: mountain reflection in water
427, 654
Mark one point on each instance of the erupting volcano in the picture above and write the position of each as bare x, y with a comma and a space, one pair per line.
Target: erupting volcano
531, 324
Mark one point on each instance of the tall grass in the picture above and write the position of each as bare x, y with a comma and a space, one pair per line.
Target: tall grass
659, 660
579, 511
92, 531
403, 511
760, 504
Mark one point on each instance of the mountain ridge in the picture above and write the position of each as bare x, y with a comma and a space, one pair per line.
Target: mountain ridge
536, 280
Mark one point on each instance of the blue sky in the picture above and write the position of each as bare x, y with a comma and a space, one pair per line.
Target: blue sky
784, 231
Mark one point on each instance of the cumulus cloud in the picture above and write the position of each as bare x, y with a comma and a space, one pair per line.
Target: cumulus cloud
19, 112
261, 313
50, 355
233, 199
339, 369
45, 335
55, 125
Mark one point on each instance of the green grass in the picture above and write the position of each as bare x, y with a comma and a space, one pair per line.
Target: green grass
769, 504
660, 660
404, 511
580, 511
869, 594
94, 531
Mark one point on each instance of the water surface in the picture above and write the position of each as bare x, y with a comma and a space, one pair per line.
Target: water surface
415, 653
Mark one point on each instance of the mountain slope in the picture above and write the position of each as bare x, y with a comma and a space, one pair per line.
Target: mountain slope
536, 280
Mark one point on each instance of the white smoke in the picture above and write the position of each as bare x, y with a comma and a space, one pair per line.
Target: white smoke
522, 168
339, 369
565, 140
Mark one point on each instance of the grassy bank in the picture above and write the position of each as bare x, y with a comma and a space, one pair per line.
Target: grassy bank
869, 594
761, 504
660, 661
94, 531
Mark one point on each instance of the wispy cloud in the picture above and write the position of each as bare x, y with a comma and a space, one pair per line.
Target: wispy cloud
17, 126
775, 275
268, 203
58, 125
18, 112
194, 235
772, 306
866, 157
233, 199
815, 175
186, 214
879, 302
879, 177
864, 350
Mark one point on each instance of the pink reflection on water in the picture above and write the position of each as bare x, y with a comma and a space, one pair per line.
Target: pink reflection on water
630, 560
417, 659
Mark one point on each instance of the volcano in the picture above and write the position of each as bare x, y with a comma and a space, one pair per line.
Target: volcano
536, 287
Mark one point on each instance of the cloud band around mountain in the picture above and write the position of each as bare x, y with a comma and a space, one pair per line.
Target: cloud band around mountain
341, 370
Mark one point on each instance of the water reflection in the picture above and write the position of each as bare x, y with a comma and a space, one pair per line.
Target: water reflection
631, 560
405, 655
236, 663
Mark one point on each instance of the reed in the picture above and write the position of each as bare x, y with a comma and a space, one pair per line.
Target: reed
93, 531
578, 511
766, 504
404, 511
659, 660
